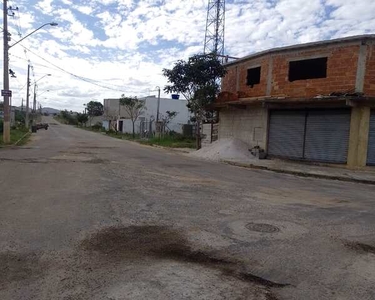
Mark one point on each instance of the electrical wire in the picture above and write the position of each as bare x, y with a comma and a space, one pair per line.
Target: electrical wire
88, 80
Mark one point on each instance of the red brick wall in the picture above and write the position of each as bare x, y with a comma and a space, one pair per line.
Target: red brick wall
228, 84
341, 73
369, 86
258, 89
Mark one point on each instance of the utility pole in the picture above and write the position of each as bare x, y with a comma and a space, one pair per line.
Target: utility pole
158, 107
22, 106
34, 104
6, 129
27, 97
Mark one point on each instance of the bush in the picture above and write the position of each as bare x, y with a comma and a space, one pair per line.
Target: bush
98, 126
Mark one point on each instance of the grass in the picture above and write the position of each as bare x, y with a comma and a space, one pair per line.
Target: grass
16, 135
175, 141
171, 142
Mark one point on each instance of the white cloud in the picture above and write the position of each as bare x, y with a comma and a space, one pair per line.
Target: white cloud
124, 44
85, 9
45, 6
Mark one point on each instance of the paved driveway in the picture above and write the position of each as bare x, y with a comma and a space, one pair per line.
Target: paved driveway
85, 216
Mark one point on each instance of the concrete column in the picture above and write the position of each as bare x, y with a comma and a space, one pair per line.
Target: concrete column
358, 140
269, 76
361, 68
237, 79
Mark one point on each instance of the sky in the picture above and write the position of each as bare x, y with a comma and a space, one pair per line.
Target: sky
103, 49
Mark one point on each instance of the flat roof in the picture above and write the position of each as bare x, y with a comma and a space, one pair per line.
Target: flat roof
303, 46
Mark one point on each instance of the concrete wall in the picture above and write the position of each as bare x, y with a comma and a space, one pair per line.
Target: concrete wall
112, 109
369, 75
248, 125
166, 104
342, 63
94, 120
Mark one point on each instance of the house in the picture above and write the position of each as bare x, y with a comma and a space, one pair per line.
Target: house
146, 121
313, 101
113, 111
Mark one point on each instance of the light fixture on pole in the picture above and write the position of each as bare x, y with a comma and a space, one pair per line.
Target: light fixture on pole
6, 93
51, 24
157, 88
35, 86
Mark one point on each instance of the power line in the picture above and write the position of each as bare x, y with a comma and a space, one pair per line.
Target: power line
88, 80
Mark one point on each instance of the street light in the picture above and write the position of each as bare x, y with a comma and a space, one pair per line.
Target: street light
43, 93
6, 92
35, 86
51, 24
157, 88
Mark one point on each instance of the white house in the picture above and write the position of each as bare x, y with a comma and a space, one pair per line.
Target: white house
148, 116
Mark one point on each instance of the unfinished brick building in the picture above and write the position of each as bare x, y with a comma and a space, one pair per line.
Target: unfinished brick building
310, 101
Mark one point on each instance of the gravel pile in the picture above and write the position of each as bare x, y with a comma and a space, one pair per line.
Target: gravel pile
225, 149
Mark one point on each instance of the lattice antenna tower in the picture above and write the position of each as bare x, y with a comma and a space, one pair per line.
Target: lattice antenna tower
215, 25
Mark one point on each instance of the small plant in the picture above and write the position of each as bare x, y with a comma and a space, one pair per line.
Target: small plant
134, 107
98, 126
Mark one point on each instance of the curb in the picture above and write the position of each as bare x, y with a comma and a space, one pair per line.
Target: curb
169, 148
300, 174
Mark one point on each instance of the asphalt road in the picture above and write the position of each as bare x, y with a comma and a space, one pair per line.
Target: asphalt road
85, 216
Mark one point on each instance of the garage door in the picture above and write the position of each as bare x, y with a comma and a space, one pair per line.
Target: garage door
315, 135
327, 136
286, 134
371, 141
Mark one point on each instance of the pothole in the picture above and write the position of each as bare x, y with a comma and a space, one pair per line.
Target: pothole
163, 243
360, 247
262, 227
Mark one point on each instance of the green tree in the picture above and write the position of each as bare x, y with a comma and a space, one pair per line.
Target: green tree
20, 116
69, 117
168, 117
82, 118
197, 79
95, 109
134, 108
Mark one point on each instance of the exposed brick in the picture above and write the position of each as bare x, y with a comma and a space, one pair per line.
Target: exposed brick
341, 73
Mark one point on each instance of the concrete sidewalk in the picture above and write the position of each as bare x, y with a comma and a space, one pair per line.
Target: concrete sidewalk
334, 172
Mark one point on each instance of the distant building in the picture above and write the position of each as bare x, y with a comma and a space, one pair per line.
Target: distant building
117, 117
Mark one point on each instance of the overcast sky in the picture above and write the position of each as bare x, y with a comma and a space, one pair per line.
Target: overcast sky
121, 46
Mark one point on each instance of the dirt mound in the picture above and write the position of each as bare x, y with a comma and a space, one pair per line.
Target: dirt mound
225, 149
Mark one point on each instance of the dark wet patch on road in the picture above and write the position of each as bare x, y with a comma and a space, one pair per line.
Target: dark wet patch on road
19, 267
360, 247
96, 147
76, 152
159, 242
179, 165
85, 160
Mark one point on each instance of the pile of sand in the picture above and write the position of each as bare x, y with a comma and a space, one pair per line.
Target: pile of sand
225, 149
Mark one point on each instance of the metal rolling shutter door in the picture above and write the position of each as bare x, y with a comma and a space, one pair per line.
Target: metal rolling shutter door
371, 141
286, 134
327, 135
